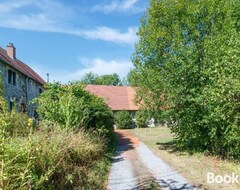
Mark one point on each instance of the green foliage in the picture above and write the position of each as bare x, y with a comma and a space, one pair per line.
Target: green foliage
111, 79
123, 120
89, 78
57, 155
12, 125
187, 64
17, 124
142, 116
72, 107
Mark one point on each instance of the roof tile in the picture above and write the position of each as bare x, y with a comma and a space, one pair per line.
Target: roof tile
117, 97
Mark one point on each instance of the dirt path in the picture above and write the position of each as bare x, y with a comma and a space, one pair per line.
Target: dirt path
136, 167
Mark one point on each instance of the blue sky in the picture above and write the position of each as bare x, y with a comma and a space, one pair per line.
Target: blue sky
68, 38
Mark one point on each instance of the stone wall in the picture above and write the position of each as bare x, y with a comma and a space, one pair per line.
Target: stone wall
22, 92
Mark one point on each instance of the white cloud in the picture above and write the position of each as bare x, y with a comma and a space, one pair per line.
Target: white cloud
38, 22
41, 15
127, 4
96, 65
8, 6
110, 34
52, 16
101, 66
119, 6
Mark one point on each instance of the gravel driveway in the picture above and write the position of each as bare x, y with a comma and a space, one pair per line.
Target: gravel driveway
135, 166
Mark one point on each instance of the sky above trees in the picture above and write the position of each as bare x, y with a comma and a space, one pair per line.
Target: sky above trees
70, 38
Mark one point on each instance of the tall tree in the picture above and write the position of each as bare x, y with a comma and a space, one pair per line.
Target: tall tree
89, 78
111, 79
108, 79
188, 62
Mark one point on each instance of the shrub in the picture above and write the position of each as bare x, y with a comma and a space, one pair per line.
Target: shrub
13, 123
18, 124
58, 155
71, 106
123, 120
142, 116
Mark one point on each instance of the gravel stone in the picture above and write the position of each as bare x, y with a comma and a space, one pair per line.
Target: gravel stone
121, 175
132, 153
166, 177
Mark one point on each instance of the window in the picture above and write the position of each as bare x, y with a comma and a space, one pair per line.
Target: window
40, 90
14, 78
11, 77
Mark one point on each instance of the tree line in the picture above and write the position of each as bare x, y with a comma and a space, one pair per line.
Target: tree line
107, 79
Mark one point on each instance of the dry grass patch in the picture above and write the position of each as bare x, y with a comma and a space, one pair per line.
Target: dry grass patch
193, 166
57, 159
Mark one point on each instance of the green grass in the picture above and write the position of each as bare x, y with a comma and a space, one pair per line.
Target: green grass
192, 166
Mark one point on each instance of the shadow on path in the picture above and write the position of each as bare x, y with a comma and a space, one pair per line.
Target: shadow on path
124, 144
135, 167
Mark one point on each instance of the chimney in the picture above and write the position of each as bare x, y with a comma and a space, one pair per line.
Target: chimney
11, 50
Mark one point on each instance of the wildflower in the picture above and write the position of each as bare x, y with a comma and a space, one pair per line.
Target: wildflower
30, 122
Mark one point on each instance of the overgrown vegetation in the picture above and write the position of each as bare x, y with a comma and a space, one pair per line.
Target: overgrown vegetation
57, 159
187, 65
123, 120
70, 106
68, 149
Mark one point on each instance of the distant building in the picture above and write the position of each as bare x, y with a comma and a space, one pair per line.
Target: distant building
21, 83
118, 98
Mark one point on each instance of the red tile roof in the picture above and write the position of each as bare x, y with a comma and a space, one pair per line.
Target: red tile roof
20, 66
117, 97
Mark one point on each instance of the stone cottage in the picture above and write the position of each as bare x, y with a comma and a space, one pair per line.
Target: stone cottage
21, 84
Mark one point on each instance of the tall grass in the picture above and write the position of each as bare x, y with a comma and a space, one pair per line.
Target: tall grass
54, 154
54, 159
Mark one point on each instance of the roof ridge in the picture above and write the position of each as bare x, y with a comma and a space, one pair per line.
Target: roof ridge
20, 66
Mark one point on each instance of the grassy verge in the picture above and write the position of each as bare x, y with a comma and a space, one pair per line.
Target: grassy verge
57, 159
194, 166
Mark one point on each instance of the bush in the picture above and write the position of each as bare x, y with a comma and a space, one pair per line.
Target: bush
71, 106
61, 154
18, 124
123, 120
13, 123
142, 116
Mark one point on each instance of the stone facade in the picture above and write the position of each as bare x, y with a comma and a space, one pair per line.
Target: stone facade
19, 88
